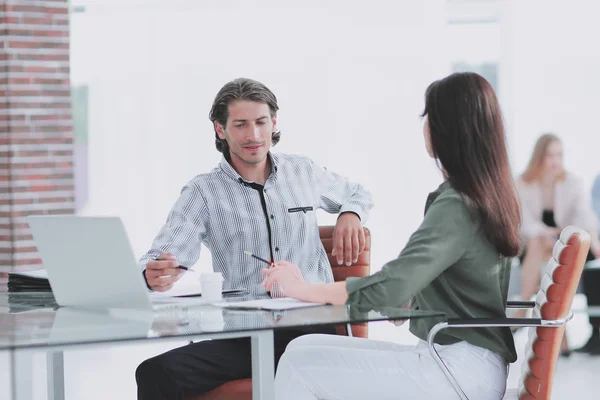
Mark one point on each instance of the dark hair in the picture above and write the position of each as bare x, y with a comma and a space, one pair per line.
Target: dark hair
467, 137
240, 89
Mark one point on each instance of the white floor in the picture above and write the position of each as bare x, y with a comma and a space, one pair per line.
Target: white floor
104, 373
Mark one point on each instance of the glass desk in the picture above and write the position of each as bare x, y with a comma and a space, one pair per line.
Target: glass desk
31, 322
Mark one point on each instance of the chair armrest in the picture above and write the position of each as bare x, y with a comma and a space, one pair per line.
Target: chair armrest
493, 322
480, 323
505, 322
520, 304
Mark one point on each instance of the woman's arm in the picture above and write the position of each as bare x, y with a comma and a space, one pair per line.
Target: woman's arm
440, 241
326, 293
290, 280
531, 225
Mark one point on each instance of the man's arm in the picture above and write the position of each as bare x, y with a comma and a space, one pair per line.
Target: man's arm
180, 237
353, 203
338, 195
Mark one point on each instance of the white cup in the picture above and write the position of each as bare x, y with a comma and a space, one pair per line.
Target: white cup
211, 286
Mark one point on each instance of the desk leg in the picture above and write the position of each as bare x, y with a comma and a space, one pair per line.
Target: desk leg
263, 365
21, 378
55, 365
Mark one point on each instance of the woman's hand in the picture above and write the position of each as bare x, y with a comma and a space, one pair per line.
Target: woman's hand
288, 277
290, 281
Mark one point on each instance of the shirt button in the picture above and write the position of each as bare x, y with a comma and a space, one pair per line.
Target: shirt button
276, 248
272, 216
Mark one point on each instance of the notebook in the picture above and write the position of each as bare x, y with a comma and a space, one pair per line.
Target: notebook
29, 281
90, 264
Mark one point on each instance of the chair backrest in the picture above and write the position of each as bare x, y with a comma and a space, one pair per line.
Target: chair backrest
362, 267
553, 301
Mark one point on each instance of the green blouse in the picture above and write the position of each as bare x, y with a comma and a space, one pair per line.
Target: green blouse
447, 265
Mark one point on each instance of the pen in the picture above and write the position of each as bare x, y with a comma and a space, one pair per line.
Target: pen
257, 257
260, 259
179, 266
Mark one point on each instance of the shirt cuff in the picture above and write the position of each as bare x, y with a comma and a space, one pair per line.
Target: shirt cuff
355, 209
355, 286
146, 281
352, 284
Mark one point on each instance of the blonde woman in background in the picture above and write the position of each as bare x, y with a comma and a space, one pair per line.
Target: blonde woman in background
551, 199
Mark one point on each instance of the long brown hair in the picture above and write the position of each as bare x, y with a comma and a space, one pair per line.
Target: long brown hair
467, 137
536, 162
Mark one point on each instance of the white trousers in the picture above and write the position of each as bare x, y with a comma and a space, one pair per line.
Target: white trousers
338, 367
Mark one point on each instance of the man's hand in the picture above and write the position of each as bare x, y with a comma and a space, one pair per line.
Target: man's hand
162, 273
348, 239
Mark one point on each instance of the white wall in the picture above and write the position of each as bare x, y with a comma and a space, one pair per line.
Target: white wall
350, 78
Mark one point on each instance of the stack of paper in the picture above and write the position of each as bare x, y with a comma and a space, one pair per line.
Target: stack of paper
20, 302
277, 304
29, 281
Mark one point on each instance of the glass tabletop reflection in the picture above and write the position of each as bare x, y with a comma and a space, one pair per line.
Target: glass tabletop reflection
30, 320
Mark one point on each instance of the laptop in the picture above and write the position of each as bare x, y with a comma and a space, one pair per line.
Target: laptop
91, 264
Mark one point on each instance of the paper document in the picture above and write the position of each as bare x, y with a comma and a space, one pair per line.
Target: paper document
267, 304
187, 291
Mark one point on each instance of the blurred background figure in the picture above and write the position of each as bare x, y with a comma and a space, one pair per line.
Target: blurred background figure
591, 286
551, 199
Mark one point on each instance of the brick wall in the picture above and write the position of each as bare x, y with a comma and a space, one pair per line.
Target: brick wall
36, 143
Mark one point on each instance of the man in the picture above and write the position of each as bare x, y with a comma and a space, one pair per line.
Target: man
591, 285
255, 201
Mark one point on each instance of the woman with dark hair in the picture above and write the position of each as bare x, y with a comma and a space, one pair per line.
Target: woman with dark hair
458, 262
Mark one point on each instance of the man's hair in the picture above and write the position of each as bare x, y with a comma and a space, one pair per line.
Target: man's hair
240, 89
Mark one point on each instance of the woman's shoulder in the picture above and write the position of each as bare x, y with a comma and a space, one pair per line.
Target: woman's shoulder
451, 199
521, 183
452, 210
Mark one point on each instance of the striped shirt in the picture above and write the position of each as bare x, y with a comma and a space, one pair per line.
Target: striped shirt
276, 221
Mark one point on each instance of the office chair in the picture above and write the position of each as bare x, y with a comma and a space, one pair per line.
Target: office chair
551, 312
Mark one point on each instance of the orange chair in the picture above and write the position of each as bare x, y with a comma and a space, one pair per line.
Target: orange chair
241, 389
551, 312
362, 267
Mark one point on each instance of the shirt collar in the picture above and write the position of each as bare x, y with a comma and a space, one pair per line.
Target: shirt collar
435, 194
446, 185
228, 169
